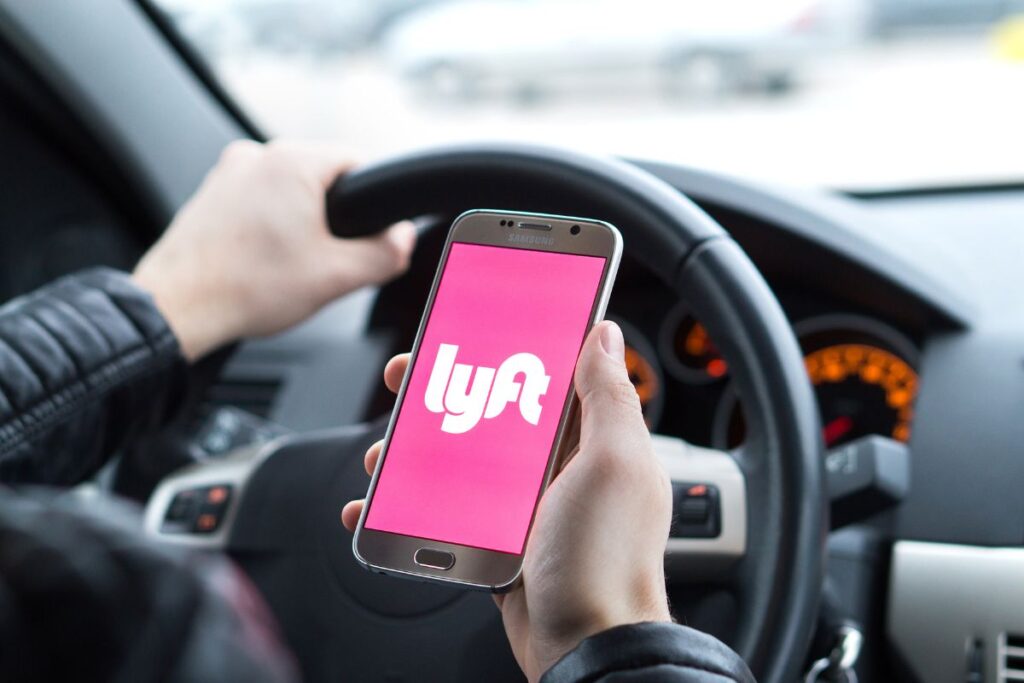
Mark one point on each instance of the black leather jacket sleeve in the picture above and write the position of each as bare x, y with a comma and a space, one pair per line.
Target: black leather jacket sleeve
85, 363
650, 653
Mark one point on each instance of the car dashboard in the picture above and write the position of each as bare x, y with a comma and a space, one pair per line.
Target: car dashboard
905, 309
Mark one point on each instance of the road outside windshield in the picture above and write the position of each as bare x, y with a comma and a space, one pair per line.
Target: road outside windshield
853, 94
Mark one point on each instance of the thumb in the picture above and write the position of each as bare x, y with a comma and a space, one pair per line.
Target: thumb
611, 414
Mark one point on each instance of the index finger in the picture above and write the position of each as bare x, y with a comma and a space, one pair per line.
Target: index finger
394, 372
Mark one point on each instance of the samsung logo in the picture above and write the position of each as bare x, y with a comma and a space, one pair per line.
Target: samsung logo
531, 239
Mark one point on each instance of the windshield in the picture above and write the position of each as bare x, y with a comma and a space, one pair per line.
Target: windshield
852, 94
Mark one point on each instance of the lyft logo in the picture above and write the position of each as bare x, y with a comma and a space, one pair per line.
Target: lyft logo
463, 403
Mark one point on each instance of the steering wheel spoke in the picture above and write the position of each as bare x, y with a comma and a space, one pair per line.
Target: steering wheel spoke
198, 505
709, 530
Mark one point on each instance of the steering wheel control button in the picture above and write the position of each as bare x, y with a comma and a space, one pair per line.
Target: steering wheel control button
217, 495
197, 511
434, 559
206, 523
696, 510
181, 513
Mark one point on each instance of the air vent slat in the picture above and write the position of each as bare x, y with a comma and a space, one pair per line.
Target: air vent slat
1011, 658
253, 395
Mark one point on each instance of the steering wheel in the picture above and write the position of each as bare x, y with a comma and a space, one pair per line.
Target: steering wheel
282, 518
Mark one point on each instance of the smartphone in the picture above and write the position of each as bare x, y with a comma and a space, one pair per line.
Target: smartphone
481, 420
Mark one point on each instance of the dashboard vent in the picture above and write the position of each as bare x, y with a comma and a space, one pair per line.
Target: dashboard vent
251, 394
1011, 658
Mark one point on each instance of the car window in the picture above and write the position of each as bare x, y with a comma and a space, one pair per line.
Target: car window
858, 94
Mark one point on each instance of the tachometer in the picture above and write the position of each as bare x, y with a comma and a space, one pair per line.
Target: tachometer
687, 349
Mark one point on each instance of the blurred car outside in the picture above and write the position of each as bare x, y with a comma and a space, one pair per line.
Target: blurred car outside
530, 48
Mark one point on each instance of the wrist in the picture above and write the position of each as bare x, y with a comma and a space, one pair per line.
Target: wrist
198, 328
560, 643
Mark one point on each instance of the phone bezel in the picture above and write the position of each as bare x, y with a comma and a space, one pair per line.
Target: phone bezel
391, 553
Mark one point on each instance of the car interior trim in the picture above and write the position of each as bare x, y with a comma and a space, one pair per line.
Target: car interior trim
140, 112
946, 601
828, 222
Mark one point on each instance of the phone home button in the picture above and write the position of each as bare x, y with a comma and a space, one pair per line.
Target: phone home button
434, 559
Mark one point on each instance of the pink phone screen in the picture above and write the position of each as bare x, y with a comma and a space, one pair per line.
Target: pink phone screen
481, 410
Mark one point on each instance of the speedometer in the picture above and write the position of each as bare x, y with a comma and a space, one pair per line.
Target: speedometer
863, 376
862, 389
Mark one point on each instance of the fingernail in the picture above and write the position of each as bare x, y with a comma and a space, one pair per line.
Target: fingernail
612, 342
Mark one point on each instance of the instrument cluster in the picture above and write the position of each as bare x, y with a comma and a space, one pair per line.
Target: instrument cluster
864, 374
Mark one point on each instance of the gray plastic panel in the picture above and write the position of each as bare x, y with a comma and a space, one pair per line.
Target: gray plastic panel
942, 596
112, 67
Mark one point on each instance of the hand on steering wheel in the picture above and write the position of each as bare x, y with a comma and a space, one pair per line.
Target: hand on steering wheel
594, 558
251, 253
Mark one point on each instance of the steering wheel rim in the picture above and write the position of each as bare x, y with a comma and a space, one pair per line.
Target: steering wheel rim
780, 577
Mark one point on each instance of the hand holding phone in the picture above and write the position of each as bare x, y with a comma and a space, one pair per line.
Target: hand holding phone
595, 555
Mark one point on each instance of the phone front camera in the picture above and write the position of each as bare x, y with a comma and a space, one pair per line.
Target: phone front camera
575, 230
